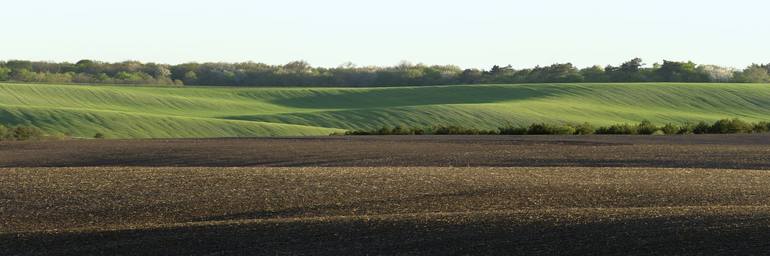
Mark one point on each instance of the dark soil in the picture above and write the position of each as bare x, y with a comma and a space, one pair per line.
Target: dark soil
703, 151
384, 210
528, 195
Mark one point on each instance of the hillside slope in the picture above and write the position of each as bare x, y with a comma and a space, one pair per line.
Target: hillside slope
162, 112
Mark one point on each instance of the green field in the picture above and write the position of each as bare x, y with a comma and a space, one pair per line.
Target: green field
162, 112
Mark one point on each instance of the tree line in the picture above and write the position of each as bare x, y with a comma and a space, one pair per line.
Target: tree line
723, 126
300, 73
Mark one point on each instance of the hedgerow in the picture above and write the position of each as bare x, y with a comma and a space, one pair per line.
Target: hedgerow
723, 126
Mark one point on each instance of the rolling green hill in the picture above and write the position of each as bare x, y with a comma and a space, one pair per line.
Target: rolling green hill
162, 112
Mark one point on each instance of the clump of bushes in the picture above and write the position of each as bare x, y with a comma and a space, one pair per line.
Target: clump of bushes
513, 130
437, 130
398, 130
584, 129
701, 128
618, 129
731, 126
645, 127
761, 127
20, 133
670, 128
457, 130
724, 126
550, 129
3, 132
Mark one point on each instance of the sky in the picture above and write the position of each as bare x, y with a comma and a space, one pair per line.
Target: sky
470, 34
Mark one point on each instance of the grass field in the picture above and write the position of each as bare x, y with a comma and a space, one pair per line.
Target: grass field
384, 210
157, 112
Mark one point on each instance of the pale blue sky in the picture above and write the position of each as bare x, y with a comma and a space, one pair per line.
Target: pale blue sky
476, 33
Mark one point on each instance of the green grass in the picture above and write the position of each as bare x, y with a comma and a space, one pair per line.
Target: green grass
159, 112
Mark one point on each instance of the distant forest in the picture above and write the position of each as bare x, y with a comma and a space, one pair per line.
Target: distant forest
300, 73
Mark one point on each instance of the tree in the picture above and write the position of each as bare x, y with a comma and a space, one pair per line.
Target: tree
471, 76
494, 70
24, 75
4, 73
717, 73
19, 64
753, 74
190, 77
157, 71
629, 71
594, 74
556, 73
88, 67
497, 70
672, 71
631, 66
301, 73
297, 67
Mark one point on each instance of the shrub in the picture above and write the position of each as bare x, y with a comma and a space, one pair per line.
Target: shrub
398, 130
99, 135
584, 129
618, 129
740, 126
731, 126
357, 133
564, 130
761, 127
550, 129
512, 130
26, 133
457, 130
646, 127
701, 128
687, 128
3, 132
58, 136
671, 129
383, 131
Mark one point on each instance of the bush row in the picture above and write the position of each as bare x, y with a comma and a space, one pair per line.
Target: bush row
724, 126
436, 130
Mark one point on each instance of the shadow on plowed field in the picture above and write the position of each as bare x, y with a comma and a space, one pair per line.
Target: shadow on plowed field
560, 232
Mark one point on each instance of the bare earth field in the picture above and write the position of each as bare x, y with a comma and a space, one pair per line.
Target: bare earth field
388, 195
705, 151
